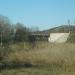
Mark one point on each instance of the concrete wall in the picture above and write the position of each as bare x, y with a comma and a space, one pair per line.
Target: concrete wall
58, 37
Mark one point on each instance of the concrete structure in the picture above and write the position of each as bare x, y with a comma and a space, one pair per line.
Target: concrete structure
58, 37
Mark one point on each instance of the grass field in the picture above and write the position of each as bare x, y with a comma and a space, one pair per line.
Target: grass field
43, 59
45, 70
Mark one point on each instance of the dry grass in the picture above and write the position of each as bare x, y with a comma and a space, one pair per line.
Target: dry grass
45, 53
55, 59
48, 70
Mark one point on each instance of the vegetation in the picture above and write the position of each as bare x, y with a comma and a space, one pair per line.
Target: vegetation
45, 58
12, 33
21, 54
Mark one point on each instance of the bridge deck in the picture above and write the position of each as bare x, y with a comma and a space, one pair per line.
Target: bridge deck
42, 35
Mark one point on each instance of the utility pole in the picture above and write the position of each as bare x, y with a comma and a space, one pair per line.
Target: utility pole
1, 39
69, 26
1, 36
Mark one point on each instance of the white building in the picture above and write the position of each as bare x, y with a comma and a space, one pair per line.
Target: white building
58, 37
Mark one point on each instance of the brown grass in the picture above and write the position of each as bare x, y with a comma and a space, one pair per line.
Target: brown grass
54, 59
44, 53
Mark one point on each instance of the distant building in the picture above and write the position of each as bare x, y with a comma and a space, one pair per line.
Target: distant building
58, 37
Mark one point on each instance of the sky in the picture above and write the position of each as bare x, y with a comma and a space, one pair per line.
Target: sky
42, 14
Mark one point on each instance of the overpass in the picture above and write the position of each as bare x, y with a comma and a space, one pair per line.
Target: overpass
40, 35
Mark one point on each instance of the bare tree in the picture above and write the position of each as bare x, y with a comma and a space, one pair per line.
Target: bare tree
5, 29
22, 32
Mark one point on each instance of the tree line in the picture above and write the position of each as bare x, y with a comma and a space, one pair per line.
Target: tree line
12, 33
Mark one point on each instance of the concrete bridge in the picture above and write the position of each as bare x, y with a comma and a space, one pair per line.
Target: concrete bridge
41, 36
